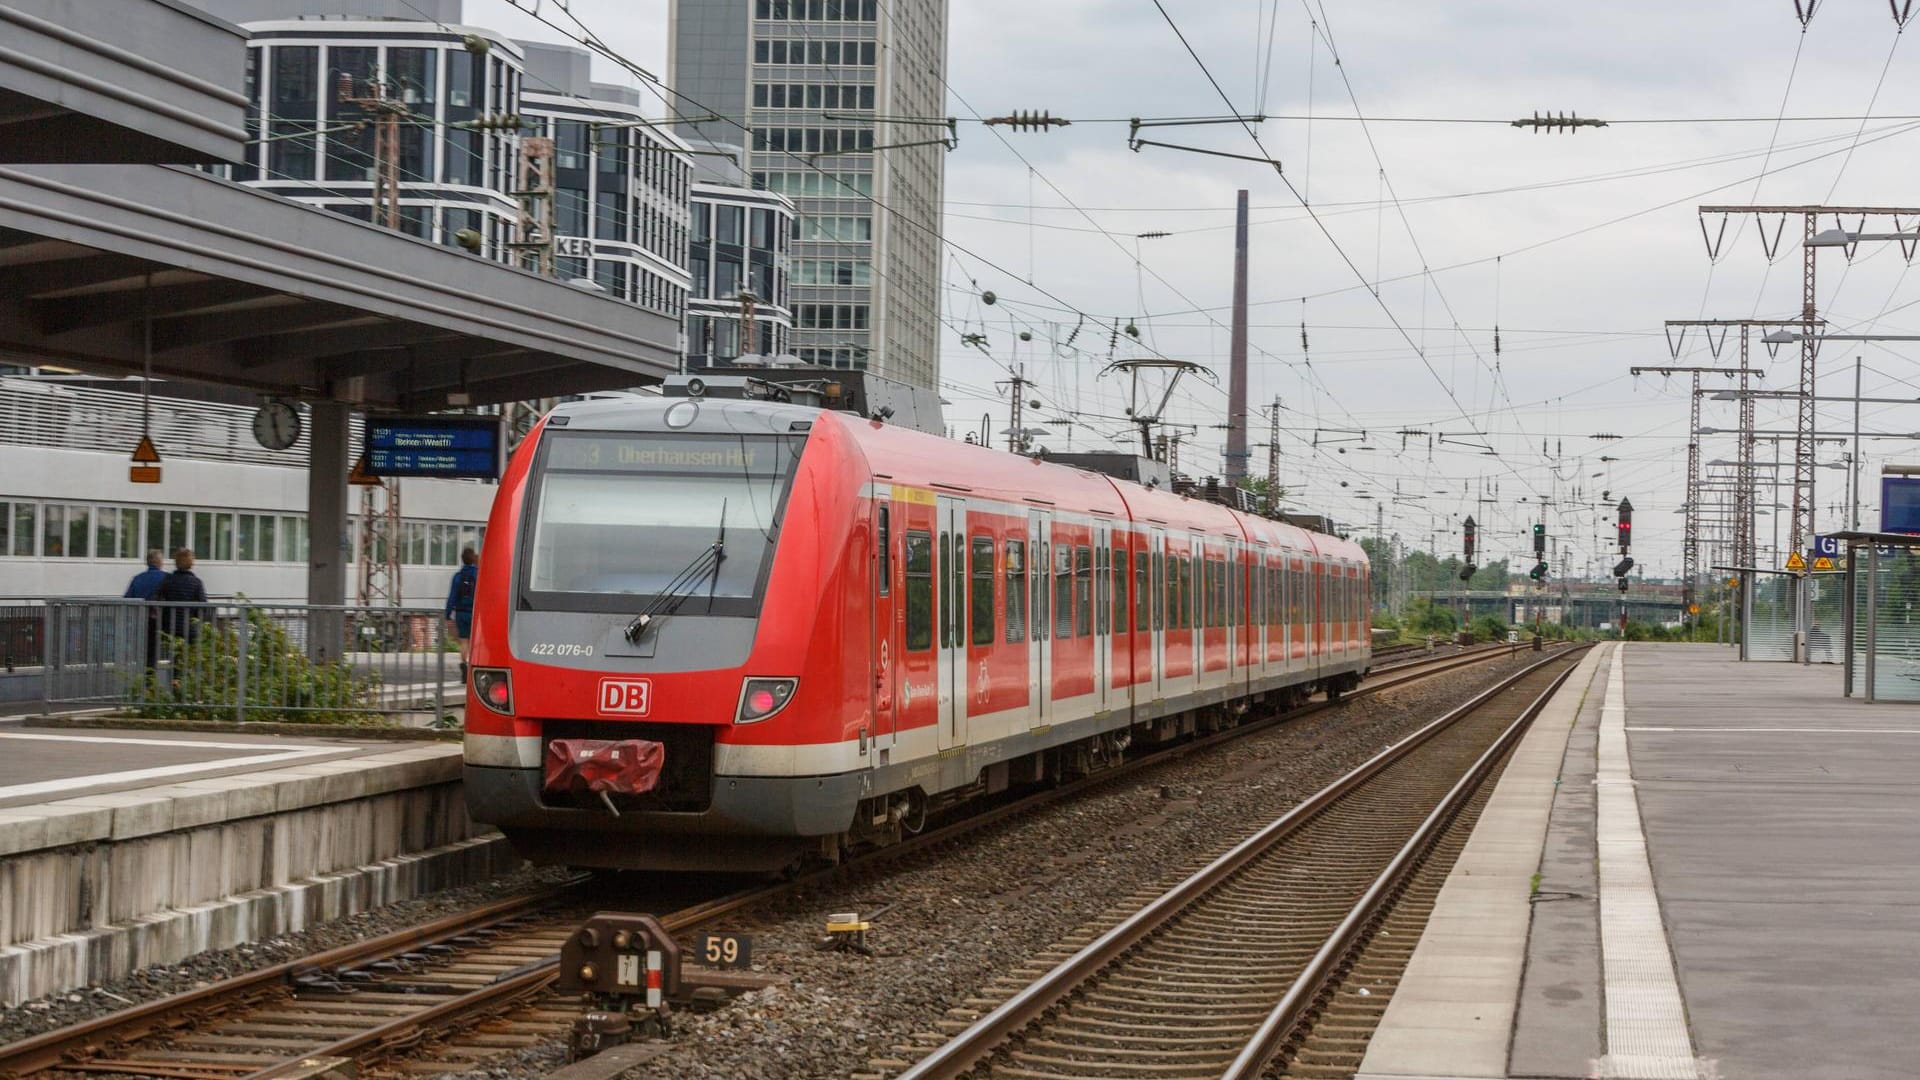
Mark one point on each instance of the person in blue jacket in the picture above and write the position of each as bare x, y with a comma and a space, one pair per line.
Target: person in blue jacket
147, 582
145, 586
459, 612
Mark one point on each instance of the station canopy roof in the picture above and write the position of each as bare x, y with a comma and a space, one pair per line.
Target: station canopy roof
247, 289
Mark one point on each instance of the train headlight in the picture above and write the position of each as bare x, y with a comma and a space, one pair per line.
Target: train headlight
494, 688
761, 698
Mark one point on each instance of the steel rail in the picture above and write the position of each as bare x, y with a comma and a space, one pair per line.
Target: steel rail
51, 1049
960, 1055
1270, 1038
522, 983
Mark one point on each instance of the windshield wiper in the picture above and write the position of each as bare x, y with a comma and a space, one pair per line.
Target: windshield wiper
705, 565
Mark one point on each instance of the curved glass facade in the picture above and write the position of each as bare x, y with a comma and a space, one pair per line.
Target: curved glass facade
621, 183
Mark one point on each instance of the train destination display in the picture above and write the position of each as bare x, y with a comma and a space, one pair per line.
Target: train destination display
453, 447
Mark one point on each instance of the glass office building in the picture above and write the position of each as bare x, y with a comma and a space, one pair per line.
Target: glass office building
620, 183
810, 86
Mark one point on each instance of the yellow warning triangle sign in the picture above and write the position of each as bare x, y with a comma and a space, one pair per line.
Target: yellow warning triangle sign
1823, 563
360, 476
1795, 562
145, 454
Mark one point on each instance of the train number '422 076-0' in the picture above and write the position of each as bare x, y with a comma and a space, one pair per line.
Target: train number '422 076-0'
552, 648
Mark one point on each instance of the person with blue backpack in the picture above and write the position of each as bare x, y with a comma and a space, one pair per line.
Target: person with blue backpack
459, 612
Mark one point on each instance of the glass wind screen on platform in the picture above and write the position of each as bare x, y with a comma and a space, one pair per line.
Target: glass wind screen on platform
1887, 607
1769, 617
1826, 601
619, 519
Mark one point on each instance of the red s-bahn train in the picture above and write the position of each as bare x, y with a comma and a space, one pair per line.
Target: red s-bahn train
731, 634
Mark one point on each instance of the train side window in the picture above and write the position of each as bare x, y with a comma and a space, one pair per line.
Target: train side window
946, 590
1189, 592
1197, 592
1119, 565
980, 591
919, 567
1042, 557
1176, 604
1016, 591
1160, 591
1221, 595
1062, 591
1250, 592
886, 550
1083, 590
1141, 591
1100, 589
1233, 591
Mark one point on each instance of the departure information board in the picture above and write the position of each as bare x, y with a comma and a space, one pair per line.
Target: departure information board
454, 447
1900, 504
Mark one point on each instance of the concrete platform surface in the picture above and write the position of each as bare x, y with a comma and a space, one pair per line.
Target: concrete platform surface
121, 849
42, 763
1730, 887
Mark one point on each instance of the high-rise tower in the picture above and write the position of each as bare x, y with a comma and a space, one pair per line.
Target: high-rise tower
820, 84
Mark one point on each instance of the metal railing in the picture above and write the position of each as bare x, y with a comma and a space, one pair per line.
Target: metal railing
249, 662
22, 636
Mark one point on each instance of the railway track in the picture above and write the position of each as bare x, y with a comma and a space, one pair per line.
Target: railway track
485, 973
1221, 975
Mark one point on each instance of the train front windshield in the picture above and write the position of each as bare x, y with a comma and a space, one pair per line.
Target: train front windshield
618, 519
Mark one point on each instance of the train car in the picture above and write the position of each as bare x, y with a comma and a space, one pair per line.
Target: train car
733, 634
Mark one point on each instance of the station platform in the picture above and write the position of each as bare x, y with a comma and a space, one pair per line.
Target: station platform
1728, 886
42, 764
125, 848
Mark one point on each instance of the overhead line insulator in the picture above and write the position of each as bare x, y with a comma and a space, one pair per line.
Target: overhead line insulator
1022, 120
1558, 122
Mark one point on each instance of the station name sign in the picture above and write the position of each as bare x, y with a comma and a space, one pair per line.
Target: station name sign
452, 447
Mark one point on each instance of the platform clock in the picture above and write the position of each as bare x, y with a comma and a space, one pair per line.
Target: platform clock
276, 425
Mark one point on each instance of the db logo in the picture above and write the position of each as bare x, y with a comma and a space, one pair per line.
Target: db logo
631, 697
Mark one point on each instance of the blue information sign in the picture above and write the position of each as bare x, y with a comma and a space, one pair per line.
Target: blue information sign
1825, 547
1900, 504
447, 446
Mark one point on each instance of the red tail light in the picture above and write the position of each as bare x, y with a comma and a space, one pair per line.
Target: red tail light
494, 688
761, 698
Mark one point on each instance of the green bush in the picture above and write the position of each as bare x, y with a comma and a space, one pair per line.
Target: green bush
1490, 628
282, 684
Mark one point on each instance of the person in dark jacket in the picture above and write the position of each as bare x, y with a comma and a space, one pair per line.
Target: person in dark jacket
183, 587
459, 611
144, 586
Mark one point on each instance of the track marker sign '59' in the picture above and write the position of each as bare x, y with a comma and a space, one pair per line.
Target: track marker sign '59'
626, 697
723, 950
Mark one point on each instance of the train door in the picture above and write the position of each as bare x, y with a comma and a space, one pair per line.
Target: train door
1040, 617
1102, 627
884, 643
950, 518
1155, 619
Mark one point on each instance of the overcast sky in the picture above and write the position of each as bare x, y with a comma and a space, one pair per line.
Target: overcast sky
1596, 235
